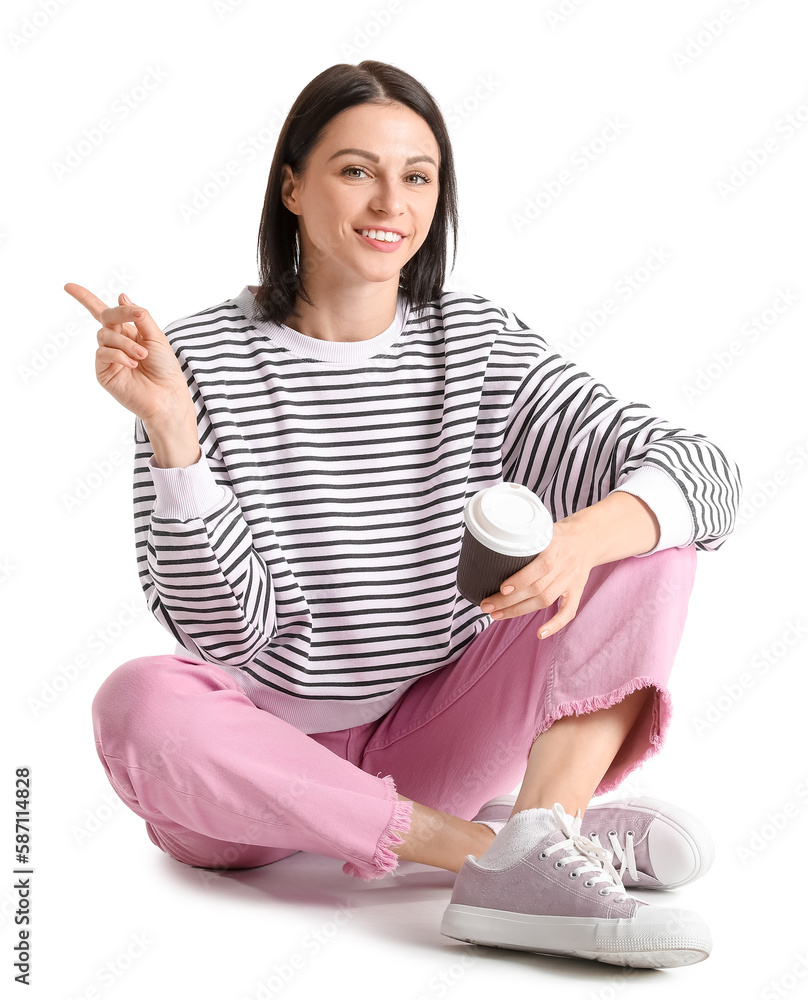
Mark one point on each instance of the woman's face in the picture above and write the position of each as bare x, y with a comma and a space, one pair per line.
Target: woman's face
375, 167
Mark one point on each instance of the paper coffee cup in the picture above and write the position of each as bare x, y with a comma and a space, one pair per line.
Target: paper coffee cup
506, 527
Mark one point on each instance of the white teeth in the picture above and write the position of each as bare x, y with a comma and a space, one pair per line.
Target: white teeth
380, 234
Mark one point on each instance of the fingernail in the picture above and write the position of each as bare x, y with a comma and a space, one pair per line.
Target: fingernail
137, 312
508, 589
126, 298
544, 633
486, 607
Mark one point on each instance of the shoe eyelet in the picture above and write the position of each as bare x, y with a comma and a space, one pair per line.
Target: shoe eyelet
592, 834
559, 864
574, 874
612, 833
543, 854
603, 892
589, 883
629, 833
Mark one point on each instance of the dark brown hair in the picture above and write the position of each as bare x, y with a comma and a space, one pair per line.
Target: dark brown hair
339, 87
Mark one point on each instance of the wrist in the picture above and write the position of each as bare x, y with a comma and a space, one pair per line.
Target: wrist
618, 526
170, 417
174, 440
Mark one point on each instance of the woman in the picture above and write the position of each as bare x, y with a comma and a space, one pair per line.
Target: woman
298, 519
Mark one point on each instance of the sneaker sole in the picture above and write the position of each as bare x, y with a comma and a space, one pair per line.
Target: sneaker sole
614, 941
502, 800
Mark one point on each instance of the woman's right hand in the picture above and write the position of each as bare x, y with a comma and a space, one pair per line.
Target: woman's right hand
151, 385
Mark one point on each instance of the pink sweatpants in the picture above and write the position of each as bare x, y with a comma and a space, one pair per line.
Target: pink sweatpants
222, 783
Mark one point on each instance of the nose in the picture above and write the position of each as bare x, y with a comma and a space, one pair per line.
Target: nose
386, 197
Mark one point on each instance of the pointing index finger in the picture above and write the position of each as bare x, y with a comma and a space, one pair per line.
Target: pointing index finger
91, 302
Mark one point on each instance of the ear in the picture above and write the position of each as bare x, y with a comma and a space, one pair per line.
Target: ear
288, 187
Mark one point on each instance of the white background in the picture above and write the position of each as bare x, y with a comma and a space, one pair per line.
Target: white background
524, 88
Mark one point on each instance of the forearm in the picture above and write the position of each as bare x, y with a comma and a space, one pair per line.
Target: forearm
193, 539
175, 442
620, 525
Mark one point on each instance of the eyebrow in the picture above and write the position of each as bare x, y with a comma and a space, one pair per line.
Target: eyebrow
375, 159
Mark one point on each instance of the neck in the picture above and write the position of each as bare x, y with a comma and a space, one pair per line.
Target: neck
346, 313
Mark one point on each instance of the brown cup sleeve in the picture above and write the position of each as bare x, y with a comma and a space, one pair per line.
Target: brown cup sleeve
480, 570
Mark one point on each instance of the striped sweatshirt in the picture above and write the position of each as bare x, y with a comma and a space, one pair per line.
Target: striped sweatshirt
311, 552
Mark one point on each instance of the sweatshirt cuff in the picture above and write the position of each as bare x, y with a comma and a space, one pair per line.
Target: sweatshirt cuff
668, 503
185, 493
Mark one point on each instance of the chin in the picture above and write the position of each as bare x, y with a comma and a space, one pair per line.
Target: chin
380, 273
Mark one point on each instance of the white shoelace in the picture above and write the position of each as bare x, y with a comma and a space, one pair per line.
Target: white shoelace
624, 853
594, 858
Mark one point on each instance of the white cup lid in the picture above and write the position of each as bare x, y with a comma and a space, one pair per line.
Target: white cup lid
510, 519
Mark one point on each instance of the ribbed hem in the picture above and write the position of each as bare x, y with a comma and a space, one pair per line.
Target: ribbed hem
669, 504
385, 861
186, 493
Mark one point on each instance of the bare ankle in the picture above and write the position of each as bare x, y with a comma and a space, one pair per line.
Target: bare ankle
440, 839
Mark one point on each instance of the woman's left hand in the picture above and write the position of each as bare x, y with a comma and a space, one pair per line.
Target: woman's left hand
560, 571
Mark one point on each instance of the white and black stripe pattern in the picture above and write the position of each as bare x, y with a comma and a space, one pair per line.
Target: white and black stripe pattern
571, 442
327, 571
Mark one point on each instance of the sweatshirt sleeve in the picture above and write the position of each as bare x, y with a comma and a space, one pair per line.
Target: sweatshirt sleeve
572, 442
202, 577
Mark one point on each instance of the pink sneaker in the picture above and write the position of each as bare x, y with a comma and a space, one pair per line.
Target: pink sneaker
657, 845
544, 887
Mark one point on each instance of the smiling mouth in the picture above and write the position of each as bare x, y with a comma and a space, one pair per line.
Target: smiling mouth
380, 235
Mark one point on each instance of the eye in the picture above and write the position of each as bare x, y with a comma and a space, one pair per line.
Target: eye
362, 169
424, 178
